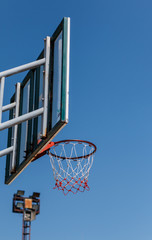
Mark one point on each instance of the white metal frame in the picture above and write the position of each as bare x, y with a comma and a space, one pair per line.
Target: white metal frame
19, 119
46, 84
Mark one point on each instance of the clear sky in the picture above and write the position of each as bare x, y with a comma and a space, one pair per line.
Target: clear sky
110, 105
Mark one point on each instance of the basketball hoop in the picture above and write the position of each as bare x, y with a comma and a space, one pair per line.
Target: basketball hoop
71, 161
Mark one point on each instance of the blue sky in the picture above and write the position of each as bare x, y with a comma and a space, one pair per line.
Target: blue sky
110, 105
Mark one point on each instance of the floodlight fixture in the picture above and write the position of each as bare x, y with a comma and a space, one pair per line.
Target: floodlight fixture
20, 192
20, 205
36, 195
35, 207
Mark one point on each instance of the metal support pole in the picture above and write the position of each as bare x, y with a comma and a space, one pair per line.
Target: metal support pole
2, 83
6, 151
26, 229
8, 107
46, 84
21, 119
22, 68
13, 161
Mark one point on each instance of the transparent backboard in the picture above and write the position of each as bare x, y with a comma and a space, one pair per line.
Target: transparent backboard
29, 137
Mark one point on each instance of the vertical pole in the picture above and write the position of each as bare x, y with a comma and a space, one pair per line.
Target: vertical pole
23, 227
2, 83
26, 229
29, 230
46, 84
17, 100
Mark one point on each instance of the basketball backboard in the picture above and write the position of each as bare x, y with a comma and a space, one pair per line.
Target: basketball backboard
34, 134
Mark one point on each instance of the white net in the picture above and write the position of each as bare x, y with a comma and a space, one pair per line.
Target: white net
71, 161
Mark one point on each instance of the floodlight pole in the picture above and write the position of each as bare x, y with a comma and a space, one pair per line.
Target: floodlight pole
29, 207
26, 229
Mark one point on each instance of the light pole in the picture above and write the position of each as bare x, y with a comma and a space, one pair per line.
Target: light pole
29, 207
